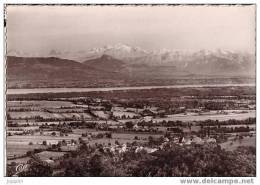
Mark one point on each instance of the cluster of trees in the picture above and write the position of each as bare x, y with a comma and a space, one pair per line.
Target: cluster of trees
178, 161
21, 109
249, 121
126, 117
231, 129
199, 161
98, 135
164, 123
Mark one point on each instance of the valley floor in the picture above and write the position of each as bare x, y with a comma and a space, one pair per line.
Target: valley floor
53, 128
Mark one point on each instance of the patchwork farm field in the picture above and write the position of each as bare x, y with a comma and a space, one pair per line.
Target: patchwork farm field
49, 129
19, 145
47, 115
20, 148
22, 160
220, 117
231, 145
43, 103
37, 139
45, 155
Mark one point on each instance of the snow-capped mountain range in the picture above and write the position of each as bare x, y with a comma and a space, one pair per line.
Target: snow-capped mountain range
123, 51
201, 61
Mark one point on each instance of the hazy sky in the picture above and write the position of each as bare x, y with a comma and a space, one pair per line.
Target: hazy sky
43, 28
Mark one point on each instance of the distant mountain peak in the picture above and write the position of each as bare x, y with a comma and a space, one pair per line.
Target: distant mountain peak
106, 57
54, 53
122, 46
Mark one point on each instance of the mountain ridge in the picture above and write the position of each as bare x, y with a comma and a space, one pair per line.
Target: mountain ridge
107, 67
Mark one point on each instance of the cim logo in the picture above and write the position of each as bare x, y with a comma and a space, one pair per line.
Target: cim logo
20, 168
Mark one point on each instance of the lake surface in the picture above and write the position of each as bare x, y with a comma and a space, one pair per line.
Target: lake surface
62, 90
